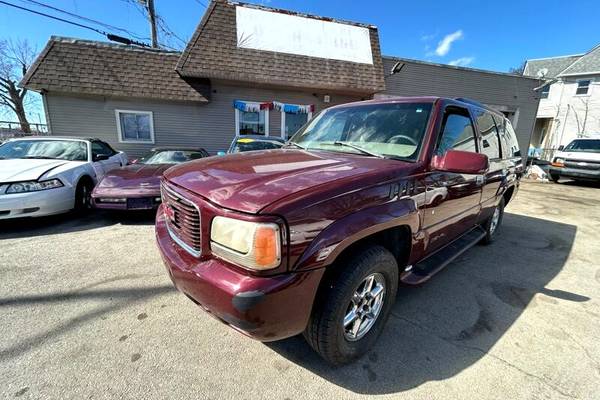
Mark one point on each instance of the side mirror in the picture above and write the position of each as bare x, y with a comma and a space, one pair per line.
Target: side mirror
561, 147
134, 161
221, 153
101, 157
463, 162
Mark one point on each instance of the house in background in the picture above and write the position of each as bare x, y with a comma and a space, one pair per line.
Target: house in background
246, 70
570, 100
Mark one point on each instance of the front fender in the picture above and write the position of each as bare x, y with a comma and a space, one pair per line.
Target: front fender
338, 236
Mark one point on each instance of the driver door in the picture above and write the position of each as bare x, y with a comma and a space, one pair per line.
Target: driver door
102, 166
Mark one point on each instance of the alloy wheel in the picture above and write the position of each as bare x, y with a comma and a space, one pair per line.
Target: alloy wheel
364, 308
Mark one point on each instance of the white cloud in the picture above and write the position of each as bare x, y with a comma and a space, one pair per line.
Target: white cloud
462, 62
426, 38
444, 45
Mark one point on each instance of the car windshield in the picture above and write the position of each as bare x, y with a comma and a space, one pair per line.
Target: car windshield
589, 146
393, 130
247, 144
70, 150
170, 156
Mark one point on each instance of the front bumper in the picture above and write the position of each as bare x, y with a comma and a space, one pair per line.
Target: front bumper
265, 308
576, 173
134, 199
37, 204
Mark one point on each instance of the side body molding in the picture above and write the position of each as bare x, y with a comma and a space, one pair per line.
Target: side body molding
338, 236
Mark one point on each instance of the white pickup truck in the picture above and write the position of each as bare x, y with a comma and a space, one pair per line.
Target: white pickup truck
579, 160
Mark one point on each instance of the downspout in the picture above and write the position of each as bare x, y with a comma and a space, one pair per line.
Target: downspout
46, 113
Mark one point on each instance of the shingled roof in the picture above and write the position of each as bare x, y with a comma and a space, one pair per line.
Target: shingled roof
213, 52
549, 67
89, 67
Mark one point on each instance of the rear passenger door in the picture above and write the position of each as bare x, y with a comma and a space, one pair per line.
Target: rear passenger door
492, 148
452, 200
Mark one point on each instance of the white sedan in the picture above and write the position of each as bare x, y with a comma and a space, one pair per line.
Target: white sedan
51, 175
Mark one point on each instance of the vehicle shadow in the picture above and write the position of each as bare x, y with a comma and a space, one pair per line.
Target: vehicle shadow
441, 328
588, 184
71, 222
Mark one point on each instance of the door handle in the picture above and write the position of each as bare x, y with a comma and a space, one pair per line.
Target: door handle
480, 179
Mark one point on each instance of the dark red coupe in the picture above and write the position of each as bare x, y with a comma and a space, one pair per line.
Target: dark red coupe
137, 186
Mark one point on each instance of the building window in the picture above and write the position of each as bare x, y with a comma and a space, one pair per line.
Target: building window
293, 117
545, 91
135, 126
583, 86
252, 118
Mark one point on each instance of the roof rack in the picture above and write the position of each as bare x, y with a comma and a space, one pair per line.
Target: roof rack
470, 101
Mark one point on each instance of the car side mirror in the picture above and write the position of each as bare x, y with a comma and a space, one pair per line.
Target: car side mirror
561, 147
221, 153
463, 162
101, 157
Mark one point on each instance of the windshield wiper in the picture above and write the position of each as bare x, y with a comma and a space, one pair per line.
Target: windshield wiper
363, 151
39, 158
294, 144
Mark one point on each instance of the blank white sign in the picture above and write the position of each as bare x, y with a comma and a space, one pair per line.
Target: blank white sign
284, 33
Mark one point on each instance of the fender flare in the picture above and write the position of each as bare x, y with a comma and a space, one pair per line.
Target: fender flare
341, 234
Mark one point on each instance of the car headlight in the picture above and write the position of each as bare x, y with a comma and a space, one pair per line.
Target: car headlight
250, 244
33, 186
558, 162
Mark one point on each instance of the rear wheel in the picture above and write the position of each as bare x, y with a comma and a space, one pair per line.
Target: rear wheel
83, 196
493, 223
354, 305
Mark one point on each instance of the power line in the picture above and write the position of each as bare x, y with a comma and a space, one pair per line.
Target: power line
81, 17
108, 35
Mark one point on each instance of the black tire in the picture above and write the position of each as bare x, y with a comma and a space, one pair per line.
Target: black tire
325, 332
491, 229
554, 178
83, 196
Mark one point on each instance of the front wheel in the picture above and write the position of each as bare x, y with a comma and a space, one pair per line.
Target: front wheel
83, 196
353, 305
554, 178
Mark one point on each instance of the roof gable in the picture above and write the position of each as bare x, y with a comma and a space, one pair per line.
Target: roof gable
97, 68
216, 51
587, 64
549, 67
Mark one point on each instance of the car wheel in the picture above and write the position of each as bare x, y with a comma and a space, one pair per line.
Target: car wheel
83, 196
493, 223
353, 305
554, 178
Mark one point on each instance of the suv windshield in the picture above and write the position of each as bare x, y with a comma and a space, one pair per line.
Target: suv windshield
393, 130
70, 150
589, 146
170, 156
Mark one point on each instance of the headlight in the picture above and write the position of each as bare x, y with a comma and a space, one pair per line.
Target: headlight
558, 162
33, 186
250, 244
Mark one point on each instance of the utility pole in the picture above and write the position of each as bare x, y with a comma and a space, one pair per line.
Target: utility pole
152, 18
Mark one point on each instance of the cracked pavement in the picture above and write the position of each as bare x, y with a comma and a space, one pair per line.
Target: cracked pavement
88, 311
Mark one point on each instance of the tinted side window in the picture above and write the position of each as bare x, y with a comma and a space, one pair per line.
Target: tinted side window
511, 140
101, 148
109, 149
457, 133
489, 135
504, 142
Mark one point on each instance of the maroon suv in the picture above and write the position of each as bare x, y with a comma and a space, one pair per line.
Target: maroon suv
317, 236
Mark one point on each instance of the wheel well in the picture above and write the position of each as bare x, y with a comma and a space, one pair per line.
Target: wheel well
396, 240
508, 194
85, 178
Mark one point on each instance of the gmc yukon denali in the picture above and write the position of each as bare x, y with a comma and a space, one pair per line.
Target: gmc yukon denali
317, 236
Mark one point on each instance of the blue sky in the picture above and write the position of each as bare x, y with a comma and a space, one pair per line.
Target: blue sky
481, 34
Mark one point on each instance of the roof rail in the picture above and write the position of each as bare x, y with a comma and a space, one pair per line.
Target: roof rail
470, 101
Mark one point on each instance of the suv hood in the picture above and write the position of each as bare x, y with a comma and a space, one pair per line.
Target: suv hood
579, 155
134, 176
251, 181
21, 169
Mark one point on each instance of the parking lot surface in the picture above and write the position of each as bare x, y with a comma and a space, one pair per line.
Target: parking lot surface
87, 311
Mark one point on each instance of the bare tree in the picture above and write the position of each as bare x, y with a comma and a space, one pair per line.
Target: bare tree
15, 59
518, 70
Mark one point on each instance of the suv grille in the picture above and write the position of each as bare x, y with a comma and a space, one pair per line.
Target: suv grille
582, 164
183, 220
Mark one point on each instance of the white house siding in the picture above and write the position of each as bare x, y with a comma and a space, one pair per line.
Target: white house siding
568, 115
211, 126
504, 92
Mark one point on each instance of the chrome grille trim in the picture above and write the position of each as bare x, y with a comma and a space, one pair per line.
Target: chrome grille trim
186, 231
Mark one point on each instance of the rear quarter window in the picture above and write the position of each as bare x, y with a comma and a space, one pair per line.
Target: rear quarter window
508, 138
490, 142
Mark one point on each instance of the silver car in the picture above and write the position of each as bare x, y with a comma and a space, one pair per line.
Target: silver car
51, 175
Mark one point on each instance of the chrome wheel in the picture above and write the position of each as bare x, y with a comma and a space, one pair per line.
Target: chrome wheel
364, 307
495, 220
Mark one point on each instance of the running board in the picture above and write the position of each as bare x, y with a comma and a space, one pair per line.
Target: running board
431, 265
